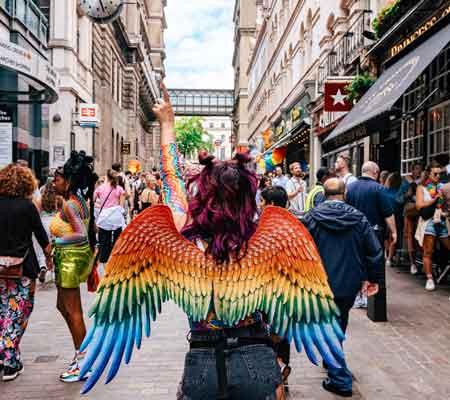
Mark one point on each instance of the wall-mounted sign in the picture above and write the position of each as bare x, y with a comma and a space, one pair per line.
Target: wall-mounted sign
6, 138
89, 115
218, 143
425, 27
31, 64
59, 155
125, 148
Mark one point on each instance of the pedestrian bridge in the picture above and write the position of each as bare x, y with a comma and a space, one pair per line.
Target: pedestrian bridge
202, 102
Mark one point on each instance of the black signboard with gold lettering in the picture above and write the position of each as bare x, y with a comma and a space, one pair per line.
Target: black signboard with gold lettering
125, 148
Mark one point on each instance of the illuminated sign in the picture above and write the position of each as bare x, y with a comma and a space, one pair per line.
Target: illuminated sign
425, 27
89, 115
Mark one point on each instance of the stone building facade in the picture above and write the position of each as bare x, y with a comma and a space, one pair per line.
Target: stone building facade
117, 66
128, 66
245, 24
288, 67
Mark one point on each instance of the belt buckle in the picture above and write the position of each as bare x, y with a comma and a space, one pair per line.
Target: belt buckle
232, 342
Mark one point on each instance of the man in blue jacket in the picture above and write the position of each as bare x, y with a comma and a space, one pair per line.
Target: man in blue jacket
351, 253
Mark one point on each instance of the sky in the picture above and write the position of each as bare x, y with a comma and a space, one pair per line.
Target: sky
199, 44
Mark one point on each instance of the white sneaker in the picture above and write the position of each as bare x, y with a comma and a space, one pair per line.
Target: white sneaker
388, 263
430, 286
413, 269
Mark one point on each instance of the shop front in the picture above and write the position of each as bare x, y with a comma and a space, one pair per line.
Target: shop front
405, 115
28, 84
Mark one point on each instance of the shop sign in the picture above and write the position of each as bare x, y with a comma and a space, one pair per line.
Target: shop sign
125, 148
28, 63
6, 138
425, 27
218, 143
298, 113
89, 115
279, 130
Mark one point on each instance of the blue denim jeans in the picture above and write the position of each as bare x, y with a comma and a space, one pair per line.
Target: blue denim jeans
342, 377
252, 374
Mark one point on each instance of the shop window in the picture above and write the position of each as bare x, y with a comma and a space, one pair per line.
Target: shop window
439, 131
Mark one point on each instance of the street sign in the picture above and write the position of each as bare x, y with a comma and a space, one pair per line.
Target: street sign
125, 148
89, 115
6, 138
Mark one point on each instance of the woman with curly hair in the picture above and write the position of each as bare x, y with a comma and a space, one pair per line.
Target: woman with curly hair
74, 245
19, 220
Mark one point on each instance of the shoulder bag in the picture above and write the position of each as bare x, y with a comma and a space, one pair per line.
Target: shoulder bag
12, 267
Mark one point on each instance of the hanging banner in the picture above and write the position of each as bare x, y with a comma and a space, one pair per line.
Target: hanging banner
336, 97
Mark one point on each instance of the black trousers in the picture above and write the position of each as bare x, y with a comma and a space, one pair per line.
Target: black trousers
106, 241
344, 304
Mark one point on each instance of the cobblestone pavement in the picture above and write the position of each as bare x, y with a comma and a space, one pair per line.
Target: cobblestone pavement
407, 358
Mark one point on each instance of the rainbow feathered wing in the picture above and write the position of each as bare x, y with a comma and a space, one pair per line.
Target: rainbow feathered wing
281, 274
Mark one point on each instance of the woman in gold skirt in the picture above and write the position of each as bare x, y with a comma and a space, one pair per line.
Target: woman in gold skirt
73, 247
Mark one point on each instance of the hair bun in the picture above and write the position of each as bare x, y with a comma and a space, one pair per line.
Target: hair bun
242, 158
206, 159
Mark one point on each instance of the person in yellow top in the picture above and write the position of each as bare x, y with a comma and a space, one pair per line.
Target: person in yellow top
73, 247
317, 194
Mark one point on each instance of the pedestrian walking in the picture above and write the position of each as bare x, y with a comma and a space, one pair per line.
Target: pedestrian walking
110, 219
211, 258
279, 179
369, 197
19, 268
392, 185
47, 212
296, 189
73, 253
342, 168
317, 195
149, 196
264, 182
432, 224
351, 254
407, 196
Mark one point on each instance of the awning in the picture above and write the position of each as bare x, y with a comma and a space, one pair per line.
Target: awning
392, 83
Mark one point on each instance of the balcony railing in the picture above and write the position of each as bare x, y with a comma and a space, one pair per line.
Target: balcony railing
29, 14
346, 50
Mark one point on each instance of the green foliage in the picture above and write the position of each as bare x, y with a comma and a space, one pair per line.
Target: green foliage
360, 85
386, 17
191, 136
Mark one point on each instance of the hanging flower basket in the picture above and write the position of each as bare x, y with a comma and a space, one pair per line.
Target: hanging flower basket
390, 14
358, 86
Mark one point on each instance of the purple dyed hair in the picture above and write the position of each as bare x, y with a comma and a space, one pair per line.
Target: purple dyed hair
223, 208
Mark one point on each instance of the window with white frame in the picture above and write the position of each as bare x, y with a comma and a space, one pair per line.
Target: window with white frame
439, 130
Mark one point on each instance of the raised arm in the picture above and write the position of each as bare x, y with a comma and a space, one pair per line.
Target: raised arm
174, 190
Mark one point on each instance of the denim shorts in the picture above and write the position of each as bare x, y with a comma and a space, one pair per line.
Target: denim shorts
438, 230
252, 374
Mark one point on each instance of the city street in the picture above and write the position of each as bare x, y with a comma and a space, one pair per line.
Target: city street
407, 358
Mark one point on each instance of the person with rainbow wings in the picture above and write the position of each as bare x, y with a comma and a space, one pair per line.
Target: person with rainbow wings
224, 271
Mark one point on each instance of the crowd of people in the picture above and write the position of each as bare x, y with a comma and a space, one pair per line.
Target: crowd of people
77, 217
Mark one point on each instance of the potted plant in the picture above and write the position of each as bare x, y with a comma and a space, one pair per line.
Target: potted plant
358, 86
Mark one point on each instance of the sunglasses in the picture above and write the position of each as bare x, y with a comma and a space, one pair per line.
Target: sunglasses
435, 174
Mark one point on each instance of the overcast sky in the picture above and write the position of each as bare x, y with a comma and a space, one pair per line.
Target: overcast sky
199, 42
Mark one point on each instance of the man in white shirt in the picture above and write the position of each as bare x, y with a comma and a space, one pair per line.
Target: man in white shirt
280, 179
342, 169
296, 189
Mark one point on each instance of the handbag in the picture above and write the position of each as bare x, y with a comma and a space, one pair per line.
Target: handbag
411, 210
427, 212
101, 208
12, 267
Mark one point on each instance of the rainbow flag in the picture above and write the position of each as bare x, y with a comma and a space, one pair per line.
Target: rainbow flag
274, 158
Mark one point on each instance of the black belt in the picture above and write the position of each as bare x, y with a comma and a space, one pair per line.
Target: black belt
226, 339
